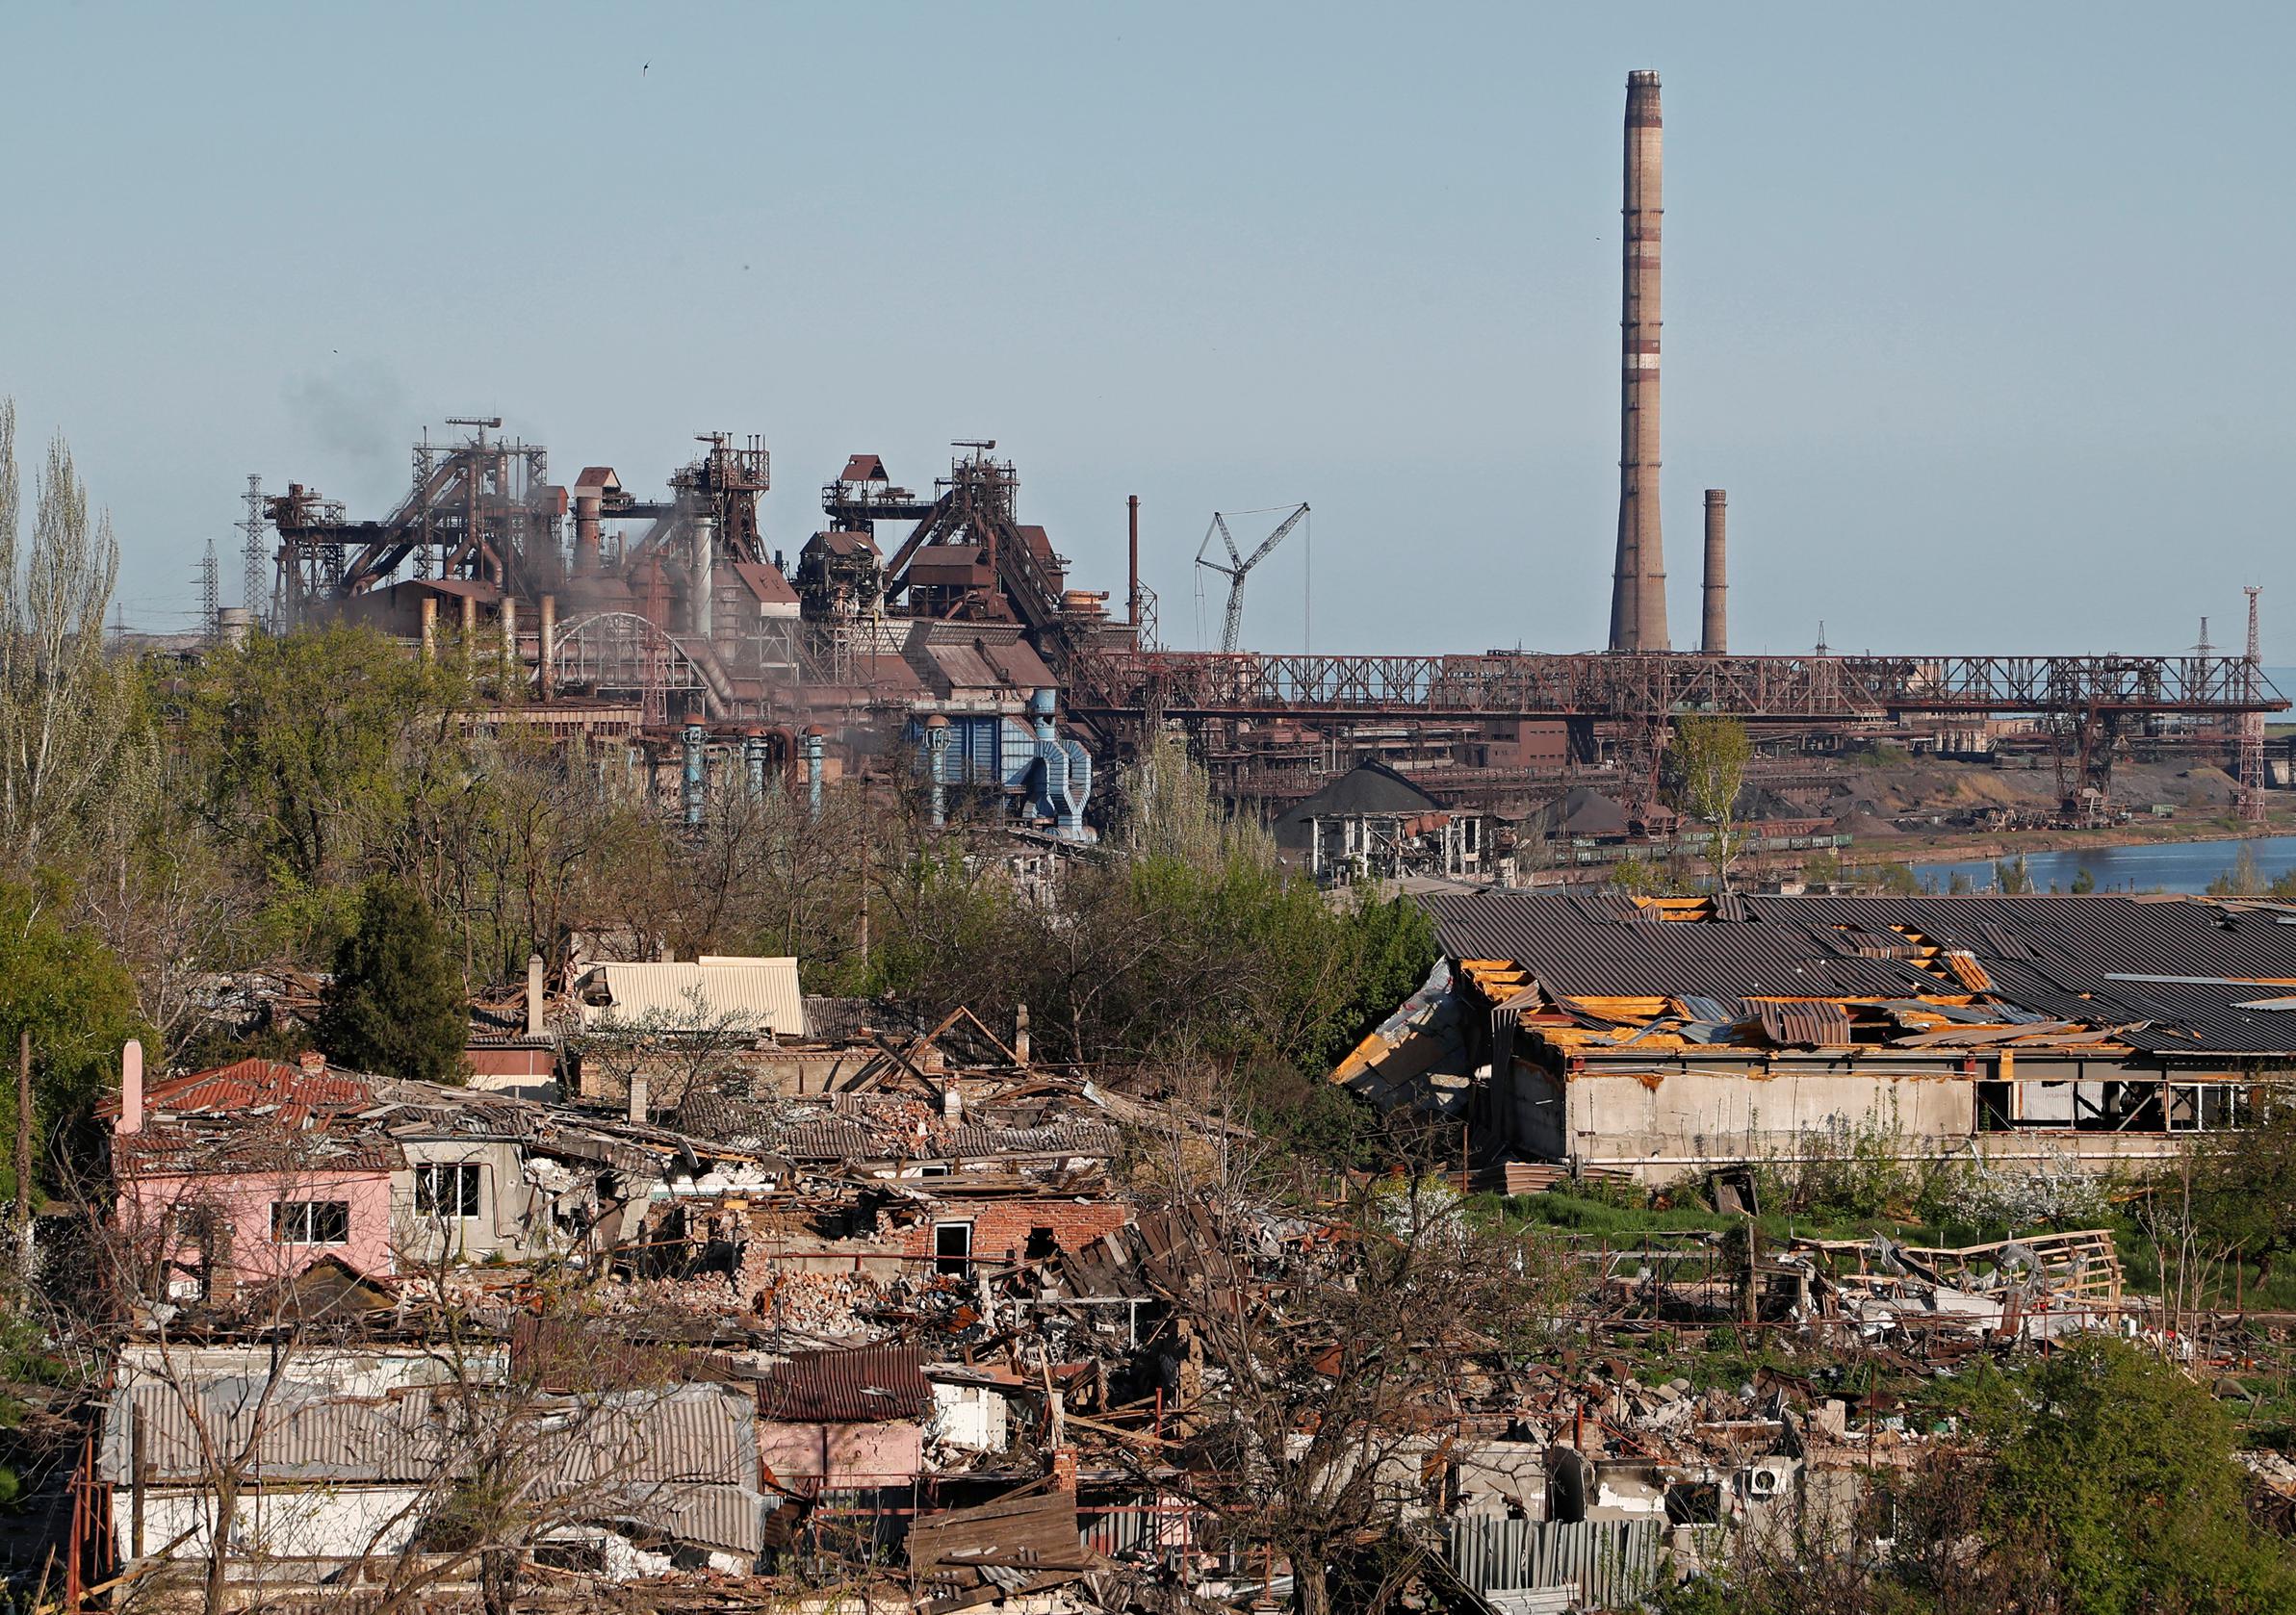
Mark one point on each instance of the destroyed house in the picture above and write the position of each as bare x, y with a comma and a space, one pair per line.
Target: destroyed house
1661, 1037
254, 1171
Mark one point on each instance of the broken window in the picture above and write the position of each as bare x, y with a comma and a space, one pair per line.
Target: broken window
311, 1222
952, 1247
446, 1188
1694, 1503
1997, 1106
1041, 1245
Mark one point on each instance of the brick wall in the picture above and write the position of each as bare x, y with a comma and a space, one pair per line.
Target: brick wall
1001, 1228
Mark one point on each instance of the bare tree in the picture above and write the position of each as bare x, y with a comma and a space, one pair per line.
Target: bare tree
1312, 1385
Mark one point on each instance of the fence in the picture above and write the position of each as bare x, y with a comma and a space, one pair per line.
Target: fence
1606, 1562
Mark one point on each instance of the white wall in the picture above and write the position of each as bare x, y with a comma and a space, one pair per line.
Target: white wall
316, 1523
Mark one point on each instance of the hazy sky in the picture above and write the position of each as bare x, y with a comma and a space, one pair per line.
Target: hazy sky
1979, 312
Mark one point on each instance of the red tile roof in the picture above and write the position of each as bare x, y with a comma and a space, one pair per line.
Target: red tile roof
249, 1086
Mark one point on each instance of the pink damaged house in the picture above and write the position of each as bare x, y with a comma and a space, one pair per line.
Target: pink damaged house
249, 1173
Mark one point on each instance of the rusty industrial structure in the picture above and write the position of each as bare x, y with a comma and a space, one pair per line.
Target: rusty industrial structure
1714, 633
940, 627
1639, 588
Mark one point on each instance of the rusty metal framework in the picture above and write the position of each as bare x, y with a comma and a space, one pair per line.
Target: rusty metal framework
621, 653
481, 510
1119, 684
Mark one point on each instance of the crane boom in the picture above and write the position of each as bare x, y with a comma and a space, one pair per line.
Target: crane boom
1231, 630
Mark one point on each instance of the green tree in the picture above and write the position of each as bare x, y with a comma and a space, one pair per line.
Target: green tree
1898, 879
2243, 880
2012, 879
2121, 1468
1712, 753
320, 758
2083, 882
2244, 1188
395, 1006
65, 989
66, 714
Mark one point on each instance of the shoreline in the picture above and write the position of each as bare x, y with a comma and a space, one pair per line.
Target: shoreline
1918, 849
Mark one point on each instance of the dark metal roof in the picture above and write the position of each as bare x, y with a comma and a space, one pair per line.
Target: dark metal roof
2041, 958
866, 1386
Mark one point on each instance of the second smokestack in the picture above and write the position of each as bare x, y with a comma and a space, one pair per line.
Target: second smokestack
1639, 582
1713, 628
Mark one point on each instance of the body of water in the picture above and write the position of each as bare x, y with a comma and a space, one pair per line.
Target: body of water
2146, 866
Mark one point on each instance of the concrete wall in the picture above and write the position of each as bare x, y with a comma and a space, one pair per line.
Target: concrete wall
317, 1522
843, 1455
513, 1220
1661, 1125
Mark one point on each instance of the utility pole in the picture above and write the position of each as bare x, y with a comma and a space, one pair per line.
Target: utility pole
24, 1155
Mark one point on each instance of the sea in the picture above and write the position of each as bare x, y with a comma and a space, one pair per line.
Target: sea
2186, 866
2142, 866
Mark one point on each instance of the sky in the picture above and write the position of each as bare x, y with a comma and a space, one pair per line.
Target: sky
1978, 311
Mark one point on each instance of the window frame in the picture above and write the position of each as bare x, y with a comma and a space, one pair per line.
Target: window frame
946, 1264
297, 1222
468, 1197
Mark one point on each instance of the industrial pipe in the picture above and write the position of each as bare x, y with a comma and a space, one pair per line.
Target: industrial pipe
1713, 629
1638, 578
429, 628
506, 616
752, 760
705, 546
935, 749
813, 771
547, 673
585, 534
695, 776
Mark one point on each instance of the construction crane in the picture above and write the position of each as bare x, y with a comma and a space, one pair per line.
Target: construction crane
1236, 569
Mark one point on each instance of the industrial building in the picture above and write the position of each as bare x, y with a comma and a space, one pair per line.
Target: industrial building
934, 633
1662, 1038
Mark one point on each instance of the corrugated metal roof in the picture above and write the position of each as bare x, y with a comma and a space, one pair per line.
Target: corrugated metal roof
2043, 958
684, 1458
752, 994
1813, 1025
869, 1385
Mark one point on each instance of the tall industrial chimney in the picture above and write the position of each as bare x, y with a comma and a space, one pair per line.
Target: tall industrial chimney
1639, 582
1713, 628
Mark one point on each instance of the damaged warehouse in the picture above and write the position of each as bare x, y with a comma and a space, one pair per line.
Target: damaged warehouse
1662, 1038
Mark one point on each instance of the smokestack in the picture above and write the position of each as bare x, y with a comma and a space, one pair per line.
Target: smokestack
705, 549
1132, 595
1639, 581
1713, 634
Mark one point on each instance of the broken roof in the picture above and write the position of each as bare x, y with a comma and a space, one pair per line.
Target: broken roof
2162, 976
868, 1384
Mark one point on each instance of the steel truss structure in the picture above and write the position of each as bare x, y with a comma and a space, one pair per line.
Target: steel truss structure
1119, 684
